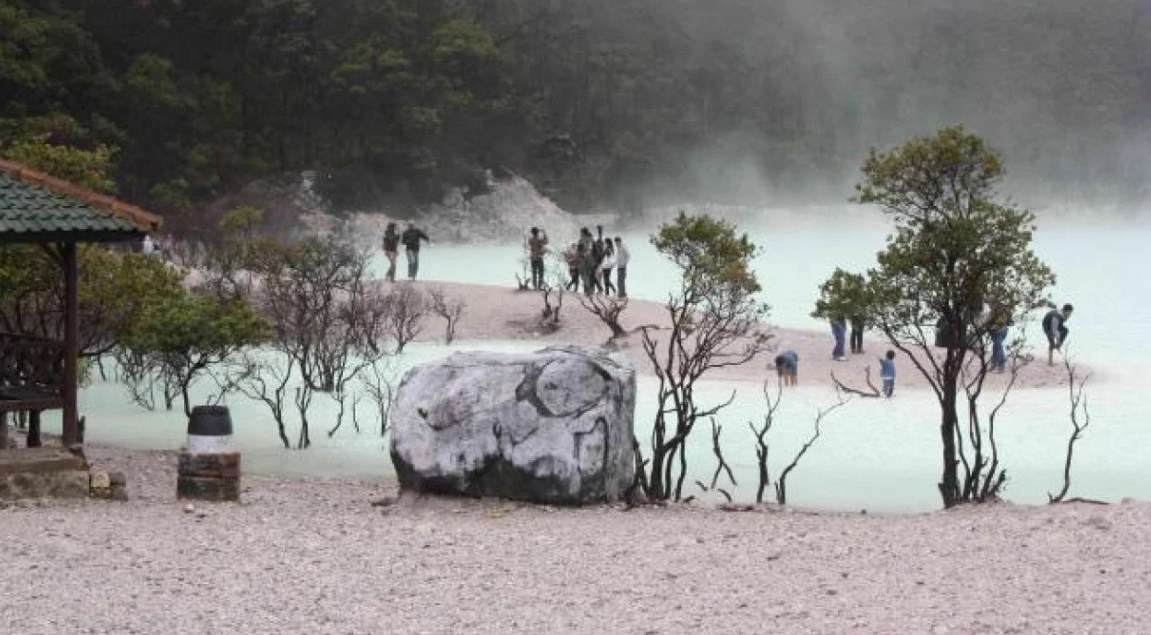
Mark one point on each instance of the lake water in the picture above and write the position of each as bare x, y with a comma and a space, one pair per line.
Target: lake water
874, 455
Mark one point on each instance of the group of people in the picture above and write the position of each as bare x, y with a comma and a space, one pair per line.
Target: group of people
787, 367
839, 331
411, 239
592, 260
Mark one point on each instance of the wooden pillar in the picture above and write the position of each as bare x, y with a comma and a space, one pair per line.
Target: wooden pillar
71, 343
33, 439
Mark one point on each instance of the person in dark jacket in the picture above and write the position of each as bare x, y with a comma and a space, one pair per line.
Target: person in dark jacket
857, 326
411, 239
1054, 327
598, 252
391, 250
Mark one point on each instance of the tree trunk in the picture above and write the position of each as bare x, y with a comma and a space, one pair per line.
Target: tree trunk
949, 482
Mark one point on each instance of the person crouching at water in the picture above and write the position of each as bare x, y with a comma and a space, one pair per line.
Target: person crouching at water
787, 368
391, 250
622, 257
537, 246
605, 267
1054, 327
887, 373
839, 332
411, 239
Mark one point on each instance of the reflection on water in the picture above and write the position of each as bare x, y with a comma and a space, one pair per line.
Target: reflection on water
875, 455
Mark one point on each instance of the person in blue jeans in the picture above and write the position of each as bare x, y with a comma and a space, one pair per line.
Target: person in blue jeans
887, 373
839, 332
998, 353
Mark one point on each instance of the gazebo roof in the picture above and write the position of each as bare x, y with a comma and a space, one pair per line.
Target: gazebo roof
35, 207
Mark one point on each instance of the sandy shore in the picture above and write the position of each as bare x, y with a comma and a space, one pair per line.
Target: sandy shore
502, 313
317, 557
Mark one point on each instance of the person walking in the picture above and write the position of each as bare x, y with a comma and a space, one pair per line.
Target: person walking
537, 247
622, 257
605, 267
887, 373
857, 327
1055, 328
411, 239
839, 332
391, 250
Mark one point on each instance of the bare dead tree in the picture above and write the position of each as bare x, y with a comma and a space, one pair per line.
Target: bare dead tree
451, 310
378, 384
762, 450
717, 450
1080, 416
143, 375
781, 482
608, 309
871, 392
267, 382
409, 310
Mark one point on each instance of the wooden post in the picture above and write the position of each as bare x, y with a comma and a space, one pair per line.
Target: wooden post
71, 343
33, 439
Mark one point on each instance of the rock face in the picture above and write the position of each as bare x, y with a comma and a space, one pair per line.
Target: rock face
553, 426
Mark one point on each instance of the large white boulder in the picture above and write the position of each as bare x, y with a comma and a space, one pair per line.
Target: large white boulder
553, 426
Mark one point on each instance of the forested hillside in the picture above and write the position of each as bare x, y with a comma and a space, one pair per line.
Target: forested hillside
614, 103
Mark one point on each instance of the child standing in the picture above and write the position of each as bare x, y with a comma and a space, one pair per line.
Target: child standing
887, 372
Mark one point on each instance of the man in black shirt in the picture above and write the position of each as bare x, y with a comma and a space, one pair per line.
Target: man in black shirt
411, 239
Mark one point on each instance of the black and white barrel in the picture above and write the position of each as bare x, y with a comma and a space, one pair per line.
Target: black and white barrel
210, 430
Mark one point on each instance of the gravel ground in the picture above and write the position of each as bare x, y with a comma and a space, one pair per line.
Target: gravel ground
317, 557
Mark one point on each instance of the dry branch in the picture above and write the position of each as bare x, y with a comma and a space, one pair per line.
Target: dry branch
870, 393
1080, 420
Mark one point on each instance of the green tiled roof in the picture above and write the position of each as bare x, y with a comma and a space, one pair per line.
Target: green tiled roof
29, 209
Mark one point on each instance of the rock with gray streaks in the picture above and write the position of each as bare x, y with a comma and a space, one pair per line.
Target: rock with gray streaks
553, 426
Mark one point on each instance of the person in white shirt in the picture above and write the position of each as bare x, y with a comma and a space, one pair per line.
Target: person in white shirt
149, 247
622, 256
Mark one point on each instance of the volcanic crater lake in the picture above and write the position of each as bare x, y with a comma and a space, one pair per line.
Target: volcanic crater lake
874, 454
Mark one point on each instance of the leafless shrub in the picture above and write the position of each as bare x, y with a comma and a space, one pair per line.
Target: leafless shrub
379, 385
721, 466
408, 310
781, 482
451, 310
267, 382
608, 309
762, 450
1080, 416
